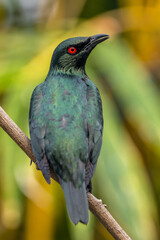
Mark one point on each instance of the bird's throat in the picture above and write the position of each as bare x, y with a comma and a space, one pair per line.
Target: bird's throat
68, 70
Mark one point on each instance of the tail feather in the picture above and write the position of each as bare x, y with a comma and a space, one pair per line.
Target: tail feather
76, 201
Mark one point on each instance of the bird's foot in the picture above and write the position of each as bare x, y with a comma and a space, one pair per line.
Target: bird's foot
37, 166
89, 187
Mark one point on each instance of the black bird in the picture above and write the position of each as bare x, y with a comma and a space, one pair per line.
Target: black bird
66, 123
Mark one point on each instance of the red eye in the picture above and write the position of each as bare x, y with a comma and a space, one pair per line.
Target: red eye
72, 50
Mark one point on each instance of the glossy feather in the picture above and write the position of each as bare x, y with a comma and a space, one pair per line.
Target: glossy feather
66, 124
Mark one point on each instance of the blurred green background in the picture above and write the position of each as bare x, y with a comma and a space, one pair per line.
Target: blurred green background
126, 69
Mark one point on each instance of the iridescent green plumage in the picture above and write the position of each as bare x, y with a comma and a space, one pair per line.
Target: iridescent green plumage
66, 123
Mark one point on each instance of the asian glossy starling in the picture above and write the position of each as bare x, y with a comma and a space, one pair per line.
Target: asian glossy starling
66, 123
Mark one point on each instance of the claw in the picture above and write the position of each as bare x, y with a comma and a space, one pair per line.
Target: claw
37, 166
89, 187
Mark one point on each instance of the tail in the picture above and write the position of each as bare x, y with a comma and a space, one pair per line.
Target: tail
76, 201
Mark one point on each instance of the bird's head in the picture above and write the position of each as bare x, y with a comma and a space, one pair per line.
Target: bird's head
70, 56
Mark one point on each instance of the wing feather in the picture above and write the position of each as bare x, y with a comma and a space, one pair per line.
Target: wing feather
95, 128
37, 132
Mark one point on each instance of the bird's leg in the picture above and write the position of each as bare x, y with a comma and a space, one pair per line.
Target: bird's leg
36, 165
89, 187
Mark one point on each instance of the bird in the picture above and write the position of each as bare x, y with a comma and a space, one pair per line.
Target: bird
66, 123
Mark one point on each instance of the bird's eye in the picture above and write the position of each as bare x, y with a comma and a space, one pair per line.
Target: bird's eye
72, 50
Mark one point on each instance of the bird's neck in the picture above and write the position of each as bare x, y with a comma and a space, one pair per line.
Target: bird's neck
68, 71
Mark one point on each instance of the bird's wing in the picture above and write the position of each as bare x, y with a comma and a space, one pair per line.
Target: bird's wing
37, 131
94, 127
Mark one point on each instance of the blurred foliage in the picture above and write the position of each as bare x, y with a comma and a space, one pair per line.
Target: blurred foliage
126, 71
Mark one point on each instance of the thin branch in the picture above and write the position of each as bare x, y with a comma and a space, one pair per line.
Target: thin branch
100, 211
95, 205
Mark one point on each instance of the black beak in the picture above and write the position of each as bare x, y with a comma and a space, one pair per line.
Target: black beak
98, 38
94, 40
